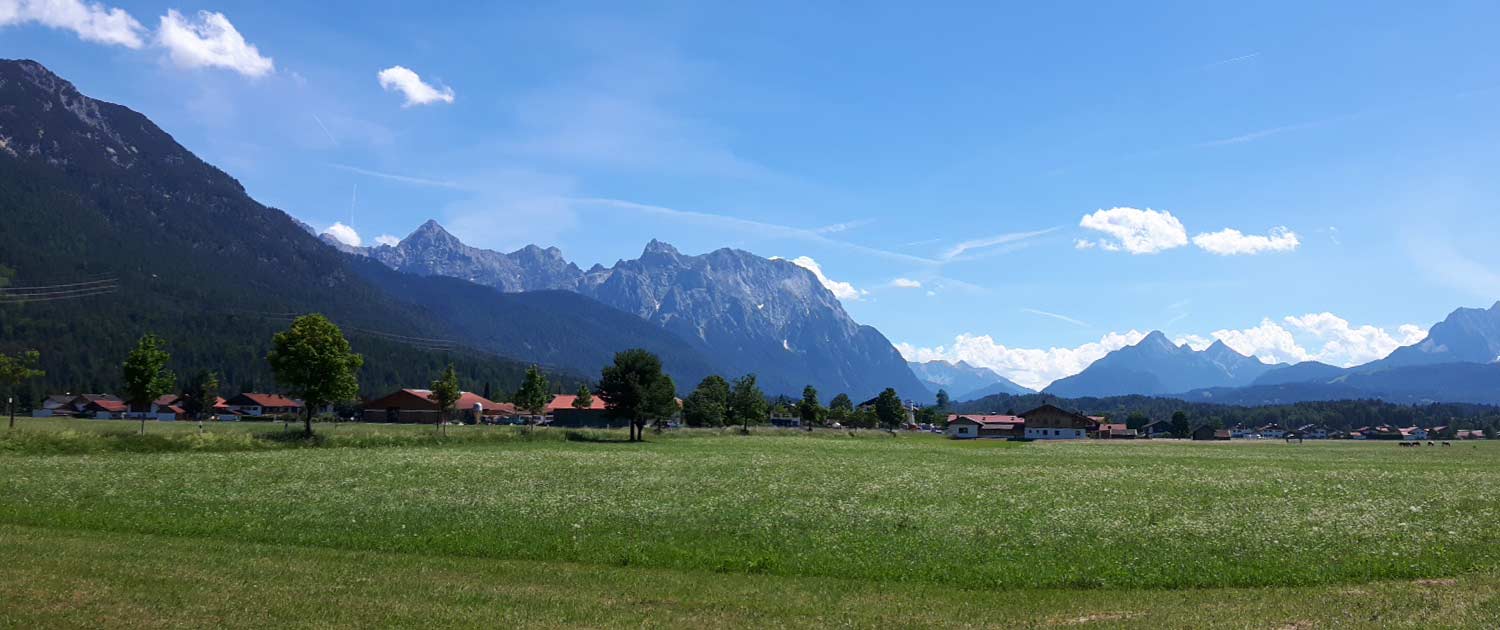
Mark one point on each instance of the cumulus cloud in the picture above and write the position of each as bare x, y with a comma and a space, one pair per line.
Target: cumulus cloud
387, 239
1230, 242
210, 42
1031, 367
1133, 230
841, 290
1321, 337
906, 283
344, 234
411, 85
90, 20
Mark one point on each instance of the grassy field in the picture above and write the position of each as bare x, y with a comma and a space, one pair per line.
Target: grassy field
707, 528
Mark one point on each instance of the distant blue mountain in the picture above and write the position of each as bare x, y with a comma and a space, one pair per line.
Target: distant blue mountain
1304, 372
1467, 335
963, 381
1155, 365
1413, 384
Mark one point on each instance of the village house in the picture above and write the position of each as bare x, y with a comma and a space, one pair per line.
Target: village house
1157, 429
103, 408
252, 405
970, 426
562, 413
1272, 431
1240, 432
416, 405
1313, 432
1113, 430
59, 405
1206, 433
1049, 422
1414, 433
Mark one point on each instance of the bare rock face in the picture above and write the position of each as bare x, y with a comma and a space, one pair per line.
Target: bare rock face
432, 251
749, 314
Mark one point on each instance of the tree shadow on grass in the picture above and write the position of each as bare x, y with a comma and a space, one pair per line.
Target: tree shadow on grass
593, 438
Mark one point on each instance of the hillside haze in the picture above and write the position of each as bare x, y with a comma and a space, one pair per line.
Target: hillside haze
963, 381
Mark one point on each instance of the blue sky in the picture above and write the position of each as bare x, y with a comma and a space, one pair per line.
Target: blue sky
1002, 158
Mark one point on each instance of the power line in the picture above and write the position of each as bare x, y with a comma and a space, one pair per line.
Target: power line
61, 295
53, 287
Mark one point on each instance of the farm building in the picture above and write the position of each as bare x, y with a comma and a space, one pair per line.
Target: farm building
1206, 433
1113, 431
562, 413
103, 408
260, 405
566, 401
1049, 422
1272, 431
1313, 432
971, 426
416, 405
1157, 429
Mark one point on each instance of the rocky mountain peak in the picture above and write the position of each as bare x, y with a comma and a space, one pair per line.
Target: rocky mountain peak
657, 248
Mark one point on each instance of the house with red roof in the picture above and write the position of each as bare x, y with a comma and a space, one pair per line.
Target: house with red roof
253, 405
971, 426
566, 401
417, 405
104, 408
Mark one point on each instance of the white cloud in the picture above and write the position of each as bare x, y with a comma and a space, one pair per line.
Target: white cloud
841, 290
1136, 231
1321, 337
344, 234
906, 283
90, 20
411, 85
1230, 242
387, 239
1034, 368
210, 42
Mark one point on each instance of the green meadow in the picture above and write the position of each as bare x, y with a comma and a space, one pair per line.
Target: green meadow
398, 525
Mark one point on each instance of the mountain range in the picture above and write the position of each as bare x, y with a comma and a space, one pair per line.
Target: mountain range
95, 190
1156, 366
963, 381
750, 314
1456, 362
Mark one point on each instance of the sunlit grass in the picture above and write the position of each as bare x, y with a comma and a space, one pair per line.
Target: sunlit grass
911, 509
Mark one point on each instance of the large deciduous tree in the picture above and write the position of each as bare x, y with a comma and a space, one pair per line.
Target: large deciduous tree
14, 370
146, 376
840, 408
635, 389
708, 405
888, 409
746, 402
809, 409
942, 399
312, 361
